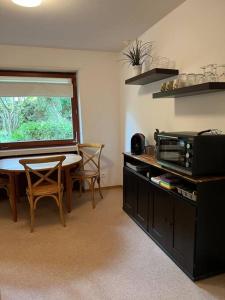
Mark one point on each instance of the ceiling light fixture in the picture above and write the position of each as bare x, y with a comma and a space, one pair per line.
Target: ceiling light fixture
27, 3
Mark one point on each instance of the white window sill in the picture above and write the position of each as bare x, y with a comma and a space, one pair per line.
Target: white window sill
29, 151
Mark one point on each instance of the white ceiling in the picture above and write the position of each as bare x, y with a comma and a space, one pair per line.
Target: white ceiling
80, 24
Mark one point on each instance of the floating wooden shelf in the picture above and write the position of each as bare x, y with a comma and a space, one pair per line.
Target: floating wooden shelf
203, 88
152, 76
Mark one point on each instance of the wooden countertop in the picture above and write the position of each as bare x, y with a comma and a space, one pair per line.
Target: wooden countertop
150, 159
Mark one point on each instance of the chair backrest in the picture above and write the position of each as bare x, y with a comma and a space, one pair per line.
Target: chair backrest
91, 155
43, 168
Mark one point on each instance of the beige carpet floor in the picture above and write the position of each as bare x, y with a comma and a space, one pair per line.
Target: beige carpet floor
101, 254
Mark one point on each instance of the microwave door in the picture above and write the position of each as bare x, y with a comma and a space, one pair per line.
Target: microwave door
172, 150
172, 156
176, 147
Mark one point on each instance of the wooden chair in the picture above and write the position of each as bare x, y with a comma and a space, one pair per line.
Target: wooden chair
39, 173
89, 169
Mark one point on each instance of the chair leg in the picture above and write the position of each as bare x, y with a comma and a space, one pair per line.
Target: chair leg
81, 183
7, 191
99, 187
10, 198
92, 192
17, 189
61, 212
31, 217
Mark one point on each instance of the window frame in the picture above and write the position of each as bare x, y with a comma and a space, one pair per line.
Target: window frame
74, 105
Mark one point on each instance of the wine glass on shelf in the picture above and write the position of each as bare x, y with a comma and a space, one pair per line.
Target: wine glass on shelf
154, 62
191, 79
211, 73
182, 80
204, 73
221, 73
172, 64
199, 78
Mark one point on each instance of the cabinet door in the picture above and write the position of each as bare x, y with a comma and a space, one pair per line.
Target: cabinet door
184, 233
162, 218
129, 191
141, 205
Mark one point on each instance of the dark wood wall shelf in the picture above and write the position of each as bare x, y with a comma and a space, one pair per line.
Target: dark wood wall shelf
203, 88
152, 76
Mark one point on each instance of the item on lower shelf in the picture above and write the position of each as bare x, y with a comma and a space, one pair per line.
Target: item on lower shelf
156, 179
169, 178
171, 182
179, 189
190, 194
137, 168
187, 192
166, 180
166, 185
194, 196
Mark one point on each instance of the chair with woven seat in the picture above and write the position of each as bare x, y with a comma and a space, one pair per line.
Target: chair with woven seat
44, 180
89, 169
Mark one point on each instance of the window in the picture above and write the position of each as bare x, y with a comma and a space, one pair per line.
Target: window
38, 109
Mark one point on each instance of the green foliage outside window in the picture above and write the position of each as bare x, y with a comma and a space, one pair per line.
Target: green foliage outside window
35, 119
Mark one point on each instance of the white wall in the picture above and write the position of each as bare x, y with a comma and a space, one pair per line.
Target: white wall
192, 35
98, 89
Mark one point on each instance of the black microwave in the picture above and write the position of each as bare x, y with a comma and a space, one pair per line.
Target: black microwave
191, 153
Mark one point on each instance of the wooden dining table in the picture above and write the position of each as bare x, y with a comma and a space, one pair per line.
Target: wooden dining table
13, 168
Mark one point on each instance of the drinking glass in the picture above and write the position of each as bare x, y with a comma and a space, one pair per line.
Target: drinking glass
163, 87
191, 79
182, 80
159, 62
211, 73
199, 78
176, 83
172, 64
154, 62
204, 73
169, 85
163, 62
146, 65
221, 73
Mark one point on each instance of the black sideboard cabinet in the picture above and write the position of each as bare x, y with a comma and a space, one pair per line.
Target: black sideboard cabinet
190, 232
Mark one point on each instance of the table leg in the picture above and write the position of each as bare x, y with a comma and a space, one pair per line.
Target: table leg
68, 190
12, 195
17, 190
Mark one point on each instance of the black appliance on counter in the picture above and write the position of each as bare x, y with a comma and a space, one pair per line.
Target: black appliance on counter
138, 144
192, 153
